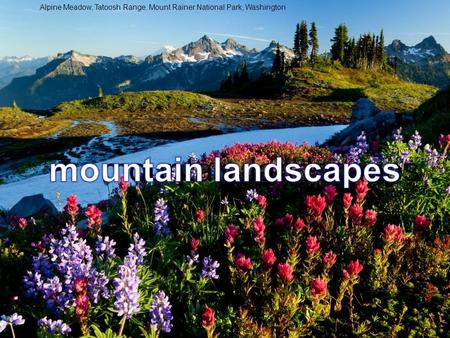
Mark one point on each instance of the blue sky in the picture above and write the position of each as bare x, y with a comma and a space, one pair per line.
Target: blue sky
24, 30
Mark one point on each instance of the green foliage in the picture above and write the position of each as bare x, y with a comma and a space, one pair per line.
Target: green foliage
388, 297
339, 42
314, 42
433, 116
419, 174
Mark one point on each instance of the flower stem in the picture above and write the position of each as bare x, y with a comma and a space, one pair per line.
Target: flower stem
12, 330
122, 326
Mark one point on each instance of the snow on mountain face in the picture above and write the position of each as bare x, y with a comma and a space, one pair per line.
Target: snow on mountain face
203, 49
86, 60
201, 65
426, 52
12, 67
11, 59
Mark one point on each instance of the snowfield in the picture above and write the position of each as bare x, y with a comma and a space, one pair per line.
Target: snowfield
94, 192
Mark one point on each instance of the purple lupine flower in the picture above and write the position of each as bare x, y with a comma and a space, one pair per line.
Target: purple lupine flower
14, 319
33, 284
338, 158
160, 313
397, 135
54, 326
126, 288
405, 157
42, 264
376, 159
251, 195
447, 190
3, 324
354, 155
225, 201
97, 287
126, 284
416, 141
209, 267
137, 249
192, 258
72, 256
54, 272
51, 291
361, 142
433, 156
192, 158
105, 247
161, 218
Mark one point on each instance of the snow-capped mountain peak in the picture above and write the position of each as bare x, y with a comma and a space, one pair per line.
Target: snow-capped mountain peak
74, 56
425, 52
11, 59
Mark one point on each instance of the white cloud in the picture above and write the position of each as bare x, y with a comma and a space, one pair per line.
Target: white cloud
245, 37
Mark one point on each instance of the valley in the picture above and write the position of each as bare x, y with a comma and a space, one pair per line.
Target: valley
96, 129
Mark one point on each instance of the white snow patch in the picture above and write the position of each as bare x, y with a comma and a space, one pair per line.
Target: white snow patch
86, 60
94, 192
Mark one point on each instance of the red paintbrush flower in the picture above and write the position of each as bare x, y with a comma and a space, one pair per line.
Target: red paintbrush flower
370, 218
208, 320
393, 233
318, 288
194, 244
330, 193
347, 200
356, 213
315, 205
200, 216
268, 258
329, 259
285, 272
312, 245
242, 263
362, 188
353, 269
421, 223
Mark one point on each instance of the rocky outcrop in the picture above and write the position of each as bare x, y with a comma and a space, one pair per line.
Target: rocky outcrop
370, 119
32, 205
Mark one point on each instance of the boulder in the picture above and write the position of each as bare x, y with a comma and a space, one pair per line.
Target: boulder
349, 134
368, 118
363, 109
32, 205
3, 223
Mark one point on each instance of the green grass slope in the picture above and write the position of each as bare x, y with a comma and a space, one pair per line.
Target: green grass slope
433, 116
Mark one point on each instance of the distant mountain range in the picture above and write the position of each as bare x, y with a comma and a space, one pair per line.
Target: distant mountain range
427, 62
201, 65
12, 67
198, 66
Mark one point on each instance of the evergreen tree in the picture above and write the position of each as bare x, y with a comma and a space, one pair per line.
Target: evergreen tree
244, 77
100, 92
303, 42
339, 41
227, 83
381, 56
278, 67
297, 50
395, 64
314, 41
236, 77
350, 53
